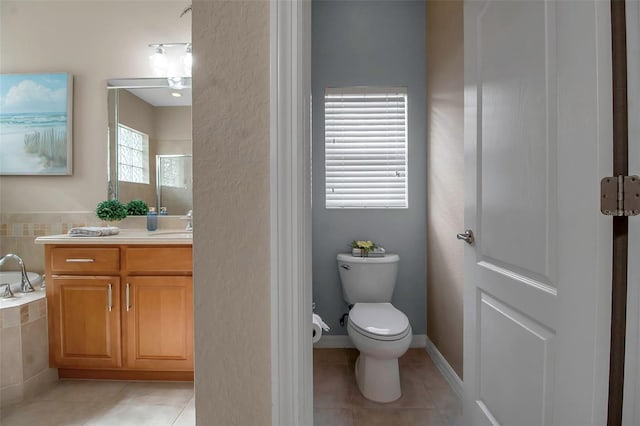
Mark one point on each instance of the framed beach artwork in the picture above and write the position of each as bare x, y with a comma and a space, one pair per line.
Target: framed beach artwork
36, 112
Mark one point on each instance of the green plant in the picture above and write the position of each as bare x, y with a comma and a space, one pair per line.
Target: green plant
365, 245
137, 208
111, 210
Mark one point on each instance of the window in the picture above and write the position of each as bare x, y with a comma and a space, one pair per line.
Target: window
133, 155
366, 148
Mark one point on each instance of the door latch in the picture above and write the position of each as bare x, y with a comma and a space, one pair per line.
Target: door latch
467, 237
620, 196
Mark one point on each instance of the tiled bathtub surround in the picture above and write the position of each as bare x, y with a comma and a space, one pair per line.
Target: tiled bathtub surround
24, 352
19, 230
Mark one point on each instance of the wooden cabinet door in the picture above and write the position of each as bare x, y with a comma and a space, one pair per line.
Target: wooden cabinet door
158, 323
85, 322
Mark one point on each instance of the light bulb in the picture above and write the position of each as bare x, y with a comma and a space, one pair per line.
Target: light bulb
159, 61
176, 82
187, 60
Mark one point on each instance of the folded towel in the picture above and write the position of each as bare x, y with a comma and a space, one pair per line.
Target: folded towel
93, 231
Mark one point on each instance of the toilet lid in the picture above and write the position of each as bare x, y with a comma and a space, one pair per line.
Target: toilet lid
379, 319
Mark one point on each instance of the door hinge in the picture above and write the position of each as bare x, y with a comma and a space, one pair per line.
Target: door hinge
620, 196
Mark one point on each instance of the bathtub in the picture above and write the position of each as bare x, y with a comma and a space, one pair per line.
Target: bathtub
24, 345
14, 278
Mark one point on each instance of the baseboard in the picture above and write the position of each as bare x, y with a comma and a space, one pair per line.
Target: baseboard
342, 341
444, 367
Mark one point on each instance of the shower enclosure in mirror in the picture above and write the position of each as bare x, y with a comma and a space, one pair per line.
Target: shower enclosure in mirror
149, 143
174, 183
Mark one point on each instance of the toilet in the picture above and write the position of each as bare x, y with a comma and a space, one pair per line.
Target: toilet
377, 329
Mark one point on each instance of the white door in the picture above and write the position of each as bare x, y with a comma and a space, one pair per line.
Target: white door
537, 278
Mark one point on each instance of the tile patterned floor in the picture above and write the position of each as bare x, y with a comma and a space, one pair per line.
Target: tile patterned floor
427, 399
72, 402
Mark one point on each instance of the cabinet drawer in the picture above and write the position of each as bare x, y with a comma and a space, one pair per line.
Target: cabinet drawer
85, 259
159, 259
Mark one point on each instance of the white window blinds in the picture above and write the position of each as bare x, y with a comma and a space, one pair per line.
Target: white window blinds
366, 147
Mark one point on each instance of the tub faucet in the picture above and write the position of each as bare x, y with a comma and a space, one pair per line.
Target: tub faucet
25, 284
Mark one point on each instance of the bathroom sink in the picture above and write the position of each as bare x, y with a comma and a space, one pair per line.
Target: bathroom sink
171, 234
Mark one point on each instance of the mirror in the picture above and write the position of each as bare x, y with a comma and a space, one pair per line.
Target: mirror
150, 143
174, 181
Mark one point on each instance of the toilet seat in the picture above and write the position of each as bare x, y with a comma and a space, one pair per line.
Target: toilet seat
379, 321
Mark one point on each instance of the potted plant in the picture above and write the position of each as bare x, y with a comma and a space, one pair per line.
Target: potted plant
111, 210
137, 208
362, 247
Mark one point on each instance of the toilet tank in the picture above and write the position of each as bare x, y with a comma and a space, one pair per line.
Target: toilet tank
368, 279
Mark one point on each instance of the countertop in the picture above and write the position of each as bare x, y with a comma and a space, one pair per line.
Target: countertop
126, 236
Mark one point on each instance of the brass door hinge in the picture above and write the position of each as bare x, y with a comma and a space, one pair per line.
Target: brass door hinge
620, 196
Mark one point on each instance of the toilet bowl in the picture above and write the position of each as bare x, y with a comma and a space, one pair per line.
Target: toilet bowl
382, 334
377, 329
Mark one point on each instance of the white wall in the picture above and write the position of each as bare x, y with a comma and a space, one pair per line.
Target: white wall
95, 41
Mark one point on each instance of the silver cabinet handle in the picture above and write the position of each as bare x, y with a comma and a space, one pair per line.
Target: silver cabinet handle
110, 297
467, 237
80, 260
127, 297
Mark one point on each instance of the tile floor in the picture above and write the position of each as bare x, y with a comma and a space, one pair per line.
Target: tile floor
79, 402
427, 399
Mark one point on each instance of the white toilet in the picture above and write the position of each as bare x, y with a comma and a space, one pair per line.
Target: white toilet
378, 330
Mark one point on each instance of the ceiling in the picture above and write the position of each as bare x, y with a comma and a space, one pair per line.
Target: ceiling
155, 91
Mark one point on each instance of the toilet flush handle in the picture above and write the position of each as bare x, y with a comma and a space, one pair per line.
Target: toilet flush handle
467, 237
347, 267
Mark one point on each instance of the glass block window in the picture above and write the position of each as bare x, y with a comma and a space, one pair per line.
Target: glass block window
133, 155
172, 172
365, 148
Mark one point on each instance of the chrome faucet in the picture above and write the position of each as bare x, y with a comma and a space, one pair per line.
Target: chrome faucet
25, 284
189, 226
7, 291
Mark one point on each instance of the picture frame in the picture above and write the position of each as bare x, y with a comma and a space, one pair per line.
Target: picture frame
36, 124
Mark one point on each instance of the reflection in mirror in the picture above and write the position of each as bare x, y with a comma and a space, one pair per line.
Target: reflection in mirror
174, 183
150, 121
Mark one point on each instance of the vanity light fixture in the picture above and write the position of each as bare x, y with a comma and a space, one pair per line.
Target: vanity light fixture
158, 60
173, 61
187, 60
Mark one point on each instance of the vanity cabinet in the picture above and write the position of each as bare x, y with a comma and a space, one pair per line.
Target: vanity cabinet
84, 318
120, 312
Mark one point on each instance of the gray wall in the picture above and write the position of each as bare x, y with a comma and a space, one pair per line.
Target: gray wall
370, 43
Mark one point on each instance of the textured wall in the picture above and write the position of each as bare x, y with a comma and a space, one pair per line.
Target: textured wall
445, 177
231, 209
373, 43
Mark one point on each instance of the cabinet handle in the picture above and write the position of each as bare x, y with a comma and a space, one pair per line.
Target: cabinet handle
110, 296
127, 296
81, 260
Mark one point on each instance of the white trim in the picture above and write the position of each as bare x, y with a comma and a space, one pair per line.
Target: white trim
290, 212
334, 342
445, 368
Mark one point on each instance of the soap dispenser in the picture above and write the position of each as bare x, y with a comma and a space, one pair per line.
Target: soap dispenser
152, 219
